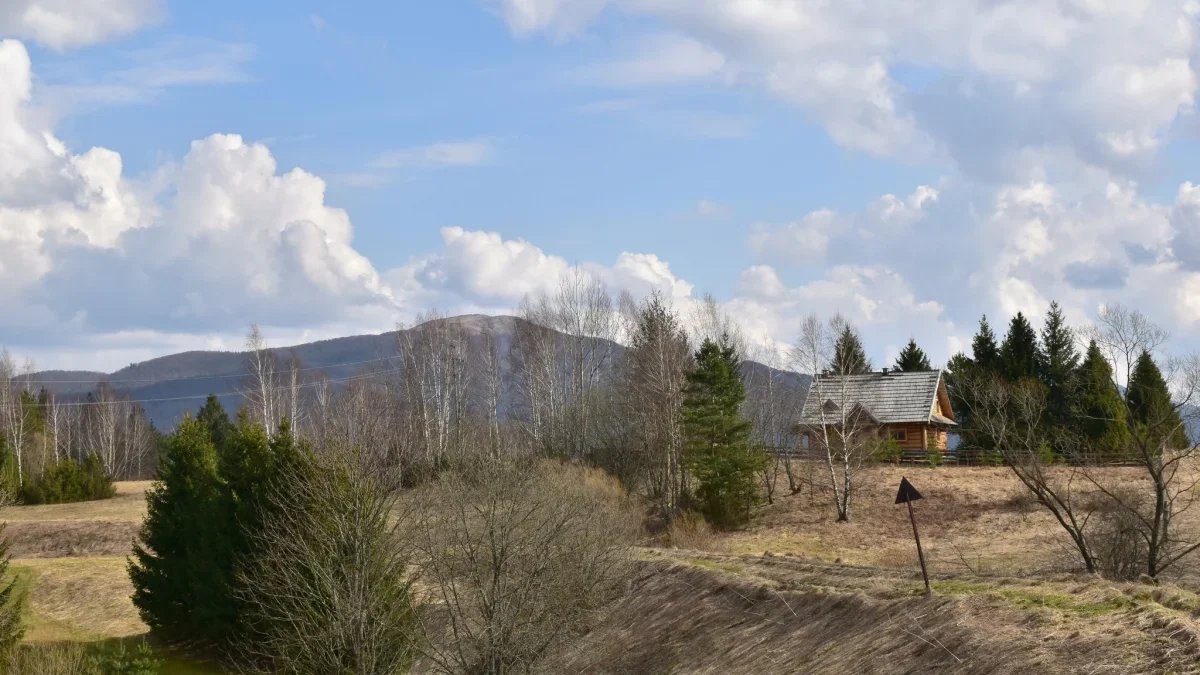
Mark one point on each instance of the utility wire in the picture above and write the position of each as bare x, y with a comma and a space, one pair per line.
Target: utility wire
195, 377
350, 378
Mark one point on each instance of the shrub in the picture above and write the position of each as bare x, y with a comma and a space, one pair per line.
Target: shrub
67, 658
140, 661
328, 589
1116, 540
689, 530
887, 449
517, 557
69, 481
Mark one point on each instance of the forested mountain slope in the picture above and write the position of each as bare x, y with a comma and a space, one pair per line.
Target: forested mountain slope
169, 386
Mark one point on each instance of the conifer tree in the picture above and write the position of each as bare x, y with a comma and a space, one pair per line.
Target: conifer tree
1059, 361
1102, 422
717, 437
1020, 355
912, 358
983, 347
1151, 407
212, 415
12, 602
181, 559
849, 357
206, 505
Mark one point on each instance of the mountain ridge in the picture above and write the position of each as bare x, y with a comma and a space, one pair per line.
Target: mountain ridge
169, 386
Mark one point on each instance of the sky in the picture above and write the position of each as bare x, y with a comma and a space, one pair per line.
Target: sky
171, 172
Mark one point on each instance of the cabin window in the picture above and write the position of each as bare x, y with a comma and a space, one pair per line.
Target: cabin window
804, 441
900, 435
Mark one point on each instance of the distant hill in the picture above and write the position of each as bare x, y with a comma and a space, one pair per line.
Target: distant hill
170, 386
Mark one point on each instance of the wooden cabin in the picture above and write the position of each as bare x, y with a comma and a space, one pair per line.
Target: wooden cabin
912, 408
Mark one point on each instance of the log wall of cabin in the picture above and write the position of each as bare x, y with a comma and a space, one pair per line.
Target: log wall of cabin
919, 436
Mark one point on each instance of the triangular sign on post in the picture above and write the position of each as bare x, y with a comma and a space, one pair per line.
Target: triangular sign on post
907, 493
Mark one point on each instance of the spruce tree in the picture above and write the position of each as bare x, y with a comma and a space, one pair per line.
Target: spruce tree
983, 347
849, 357
181, 561
1057, 369
12, 602
206, 505
717, 437
1020, 356
912, 358
1103, 422
212, 415
1150, 403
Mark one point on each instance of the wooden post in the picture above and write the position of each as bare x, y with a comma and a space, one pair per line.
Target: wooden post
907, 495
920, 553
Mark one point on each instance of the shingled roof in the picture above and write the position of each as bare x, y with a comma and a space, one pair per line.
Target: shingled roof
890, 398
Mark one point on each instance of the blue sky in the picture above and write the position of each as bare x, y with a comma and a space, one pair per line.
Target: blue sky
909, 171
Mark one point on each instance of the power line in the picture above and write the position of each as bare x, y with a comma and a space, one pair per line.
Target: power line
350, 378
196, 377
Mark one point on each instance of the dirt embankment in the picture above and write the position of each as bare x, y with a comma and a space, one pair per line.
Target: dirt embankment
690, 612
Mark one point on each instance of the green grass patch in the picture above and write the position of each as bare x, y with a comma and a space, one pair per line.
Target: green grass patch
177, 666
1033, 598
712, 565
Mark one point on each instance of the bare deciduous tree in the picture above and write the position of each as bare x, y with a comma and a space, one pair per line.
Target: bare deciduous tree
295, 404
492, 390
516, 557
834, 422
1012, 417
434, 357
654, 373
563, 353
1124, 335
17, 417
773, 404
263, 392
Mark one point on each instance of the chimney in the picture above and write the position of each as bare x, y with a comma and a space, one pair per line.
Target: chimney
885, 371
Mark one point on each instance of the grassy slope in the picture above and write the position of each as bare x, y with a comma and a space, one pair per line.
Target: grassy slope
765, 596
72, 559
694, 612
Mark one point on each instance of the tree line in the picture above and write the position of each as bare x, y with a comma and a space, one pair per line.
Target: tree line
54, 450
1056, 417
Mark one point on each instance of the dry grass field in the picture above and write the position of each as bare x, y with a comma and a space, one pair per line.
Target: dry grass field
72, 559
793, 592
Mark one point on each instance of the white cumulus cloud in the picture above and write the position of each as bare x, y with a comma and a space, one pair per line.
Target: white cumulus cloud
63, 24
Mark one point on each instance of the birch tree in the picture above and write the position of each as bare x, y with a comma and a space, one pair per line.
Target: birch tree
584, 313
492, 389
564, 350
434, 361
834, 421
262, 393
295, 406
773, 404
105, 416
655, 373
16, 415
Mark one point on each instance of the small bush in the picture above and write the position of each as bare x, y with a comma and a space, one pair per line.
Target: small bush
68, 658
1116, 541
69, 481
120, 661
689, 530
887, 450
